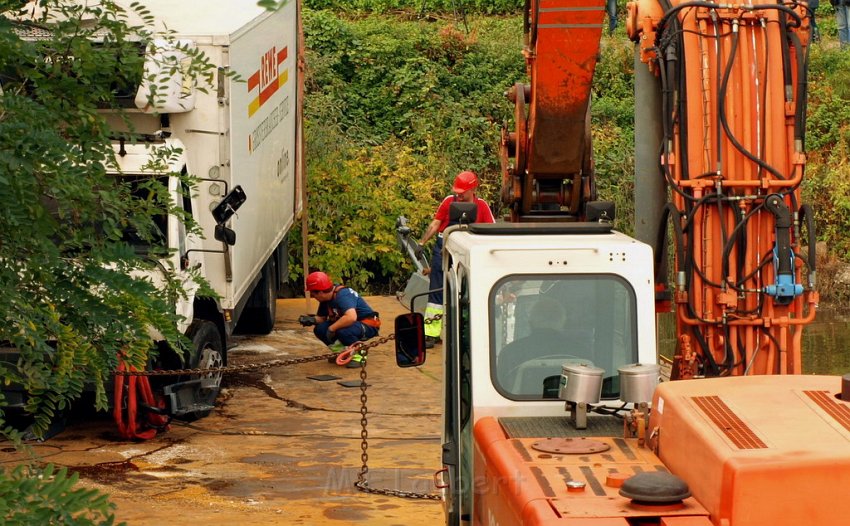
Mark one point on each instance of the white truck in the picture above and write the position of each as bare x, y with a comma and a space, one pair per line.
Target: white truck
241, 138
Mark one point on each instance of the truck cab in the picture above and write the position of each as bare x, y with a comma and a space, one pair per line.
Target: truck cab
522, 301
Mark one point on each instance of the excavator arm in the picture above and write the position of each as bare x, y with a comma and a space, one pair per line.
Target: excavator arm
547, 164
731, 87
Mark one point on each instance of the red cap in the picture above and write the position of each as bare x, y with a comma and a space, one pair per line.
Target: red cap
465, 181
318, 281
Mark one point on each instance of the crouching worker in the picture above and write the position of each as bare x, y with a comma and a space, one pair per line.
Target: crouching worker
343, 316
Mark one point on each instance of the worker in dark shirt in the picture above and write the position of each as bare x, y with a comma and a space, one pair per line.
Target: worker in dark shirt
343, 315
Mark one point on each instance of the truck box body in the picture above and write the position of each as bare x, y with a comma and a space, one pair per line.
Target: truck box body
242, 132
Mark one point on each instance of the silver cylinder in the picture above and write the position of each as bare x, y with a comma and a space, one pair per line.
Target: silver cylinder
581, 383
638, 382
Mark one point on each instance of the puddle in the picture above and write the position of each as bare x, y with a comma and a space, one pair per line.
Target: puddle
106, 472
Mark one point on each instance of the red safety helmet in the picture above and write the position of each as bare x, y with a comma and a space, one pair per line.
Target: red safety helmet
465, 181
318, 281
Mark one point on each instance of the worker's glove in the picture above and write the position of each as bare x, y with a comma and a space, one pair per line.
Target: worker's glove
306, 320
331, 335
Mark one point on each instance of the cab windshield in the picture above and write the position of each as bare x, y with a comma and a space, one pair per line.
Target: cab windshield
540, 323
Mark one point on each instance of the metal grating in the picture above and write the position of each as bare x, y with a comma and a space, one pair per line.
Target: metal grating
825, 400
560, 426
728, 422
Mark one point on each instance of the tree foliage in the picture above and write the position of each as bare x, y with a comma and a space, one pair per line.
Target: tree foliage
76, 293
48, 496
394, 110
423, 7
827, 184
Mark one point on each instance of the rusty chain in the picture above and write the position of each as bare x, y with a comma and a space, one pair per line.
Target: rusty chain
362, 484
247, 366
227, 368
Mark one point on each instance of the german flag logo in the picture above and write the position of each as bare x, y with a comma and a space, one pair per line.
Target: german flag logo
268, 78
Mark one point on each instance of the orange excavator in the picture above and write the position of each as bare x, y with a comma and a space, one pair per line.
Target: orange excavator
554, 413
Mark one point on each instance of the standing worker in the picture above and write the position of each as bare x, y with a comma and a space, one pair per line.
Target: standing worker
463, 191
842, 20
343, 315
611, 8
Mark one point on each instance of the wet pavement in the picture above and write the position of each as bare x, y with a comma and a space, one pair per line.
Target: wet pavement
279, 448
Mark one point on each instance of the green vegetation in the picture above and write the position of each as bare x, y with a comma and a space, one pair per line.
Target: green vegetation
827, 185
47, 496
73, 300
71, 303
397, 105
394, 109
423, 7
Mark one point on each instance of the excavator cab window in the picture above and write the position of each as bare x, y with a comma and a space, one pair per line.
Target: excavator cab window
538, 324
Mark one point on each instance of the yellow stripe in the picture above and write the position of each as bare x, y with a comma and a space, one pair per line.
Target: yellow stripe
254, 106
283, 77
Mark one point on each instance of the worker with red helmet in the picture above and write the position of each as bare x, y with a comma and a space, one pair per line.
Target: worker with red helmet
463, 191
343, 315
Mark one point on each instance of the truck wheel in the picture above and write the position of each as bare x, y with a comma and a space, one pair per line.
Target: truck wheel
207, 353
258, 316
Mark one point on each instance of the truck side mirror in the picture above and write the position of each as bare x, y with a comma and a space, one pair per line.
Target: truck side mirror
229, 205
225, 235
410, 339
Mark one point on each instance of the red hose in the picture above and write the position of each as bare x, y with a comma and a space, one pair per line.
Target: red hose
131, 424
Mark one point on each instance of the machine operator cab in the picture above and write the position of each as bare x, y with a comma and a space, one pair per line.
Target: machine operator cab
538, 323
524, 300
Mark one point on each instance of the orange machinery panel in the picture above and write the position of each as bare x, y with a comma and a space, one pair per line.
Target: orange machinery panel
518, 484
759, 450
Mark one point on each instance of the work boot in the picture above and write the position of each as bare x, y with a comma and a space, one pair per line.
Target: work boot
357, 361
431, 341
336, 348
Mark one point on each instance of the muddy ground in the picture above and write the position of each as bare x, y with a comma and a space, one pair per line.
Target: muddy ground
279, 448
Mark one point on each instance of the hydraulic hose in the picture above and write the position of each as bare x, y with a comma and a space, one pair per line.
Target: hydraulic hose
722, 113
670, 211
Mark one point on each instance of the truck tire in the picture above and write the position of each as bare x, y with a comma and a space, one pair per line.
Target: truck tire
207, 352
258, 317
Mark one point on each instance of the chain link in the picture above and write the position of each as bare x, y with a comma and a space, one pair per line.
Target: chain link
227, 368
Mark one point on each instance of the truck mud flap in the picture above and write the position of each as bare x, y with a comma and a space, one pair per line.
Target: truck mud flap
191, 399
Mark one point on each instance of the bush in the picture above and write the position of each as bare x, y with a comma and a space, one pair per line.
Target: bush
430, 7
394, 110
30, 497
827, 184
